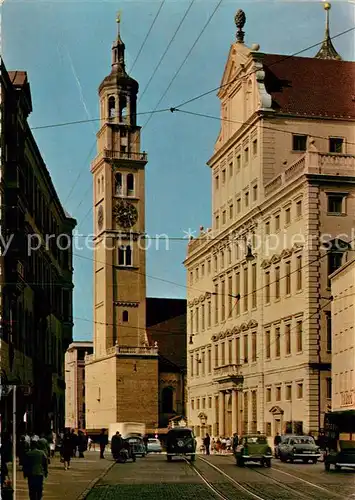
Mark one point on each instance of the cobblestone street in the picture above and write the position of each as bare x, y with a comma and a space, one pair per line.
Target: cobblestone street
71, 484
153, 478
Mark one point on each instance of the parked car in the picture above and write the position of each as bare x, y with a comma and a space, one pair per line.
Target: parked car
340, 439
137, 444
180, 441
154, 445
253, 448
299, 448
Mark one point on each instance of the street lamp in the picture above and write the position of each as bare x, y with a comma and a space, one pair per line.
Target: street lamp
249, 255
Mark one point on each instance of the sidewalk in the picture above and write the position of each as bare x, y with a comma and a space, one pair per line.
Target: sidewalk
70, 483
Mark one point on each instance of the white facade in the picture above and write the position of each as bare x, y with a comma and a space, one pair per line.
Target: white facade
263, 363
343, 337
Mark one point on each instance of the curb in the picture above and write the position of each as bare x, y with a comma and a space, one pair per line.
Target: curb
93, 483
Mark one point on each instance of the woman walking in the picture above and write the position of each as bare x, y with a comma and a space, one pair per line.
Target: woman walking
67, 450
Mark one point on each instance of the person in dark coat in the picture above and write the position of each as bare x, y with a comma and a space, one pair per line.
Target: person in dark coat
116, 445
23, 448
35, 469
67, 450
103, 441
207, 443
235, 441
82, 444
74, 441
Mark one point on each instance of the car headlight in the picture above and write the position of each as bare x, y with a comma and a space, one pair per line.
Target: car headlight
294, 450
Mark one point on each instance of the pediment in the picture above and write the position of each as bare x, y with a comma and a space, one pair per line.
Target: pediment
276, 410
229, 333
238, 54
275, 259
243, 327
286, 253
252, 323
265, 263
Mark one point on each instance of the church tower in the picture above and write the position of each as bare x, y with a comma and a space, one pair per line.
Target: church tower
122, 356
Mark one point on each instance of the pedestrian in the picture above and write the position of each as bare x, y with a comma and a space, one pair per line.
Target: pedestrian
103, 441
90, 443
277, 441
145, 441
74, 441
116, 445
82, 444
43, 445
35, 470
207, 443
218, 446
66, 450
228, 444
23, 448
235, 441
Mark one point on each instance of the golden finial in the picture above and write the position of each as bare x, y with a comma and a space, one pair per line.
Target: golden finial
118, 21
327, 50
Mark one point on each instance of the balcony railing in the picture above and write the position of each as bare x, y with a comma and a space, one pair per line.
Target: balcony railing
228, 373
121, 155
313, 162
119, 350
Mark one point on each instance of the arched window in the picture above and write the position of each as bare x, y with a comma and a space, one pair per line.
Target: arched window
130, 185
102, 183
118, 183
125, 316
111, 107
98, 186
121, 256
167, 400
128, 256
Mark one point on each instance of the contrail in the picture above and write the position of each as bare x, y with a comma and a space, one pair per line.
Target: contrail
80, 89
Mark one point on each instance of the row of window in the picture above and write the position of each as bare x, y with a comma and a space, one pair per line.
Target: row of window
227, 305
290, 211
283, 393
249, 197
234, 165
124, 184
278, 342
201, 403
335, 144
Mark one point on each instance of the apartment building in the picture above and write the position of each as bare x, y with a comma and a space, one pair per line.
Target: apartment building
283, 198
343, 336
36, 269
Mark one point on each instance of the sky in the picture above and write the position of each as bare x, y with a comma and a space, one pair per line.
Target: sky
65, 46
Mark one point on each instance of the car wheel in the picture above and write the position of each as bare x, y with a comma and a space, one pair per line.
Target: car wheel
169, 457
193, 458
337, 467
327, 466
314, 460
240, 462
305, 460
268, 462
283, 459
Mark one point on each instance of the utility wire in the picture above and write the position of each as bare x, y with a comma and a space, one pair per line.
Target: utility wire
166, 50
147, 35
199, 96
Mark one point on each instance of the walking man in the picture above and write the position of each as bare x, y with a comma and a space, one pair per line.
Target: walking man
103, 440
35, 469
207, 443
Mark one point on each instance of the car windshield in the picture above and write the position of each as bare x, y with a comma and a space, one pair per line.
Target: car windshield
256, 440
303, 440
180, 434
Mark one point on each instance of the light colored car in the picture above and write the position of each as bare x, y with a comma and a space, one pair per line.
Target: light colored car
154, 445
299, 448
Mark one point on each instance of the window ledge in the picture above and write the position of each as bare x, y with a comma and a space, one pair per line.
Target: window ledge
336, 214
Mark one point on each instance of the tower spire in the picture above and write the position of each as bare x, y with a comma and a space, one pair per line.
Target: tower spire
327, 50
118, 21
118, 49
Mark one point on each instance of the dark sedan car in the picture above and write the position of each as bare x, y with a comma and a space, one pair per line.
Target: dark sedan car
299, 448
180, 441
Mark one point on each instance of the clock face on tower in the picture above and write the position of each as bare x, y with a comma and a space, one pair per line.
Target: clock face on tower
125, 214
100, 217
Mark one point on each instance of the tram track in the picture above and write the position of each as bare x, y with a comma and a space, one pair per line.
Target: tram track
271, 489
218, 490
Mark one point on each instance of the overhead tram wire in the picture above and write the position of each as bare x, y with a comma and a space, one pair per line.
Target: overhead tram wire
152, 76
262, 127
164, 110
199, 96
184, 61
166, 49
318, 259
156, 110
147, 35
